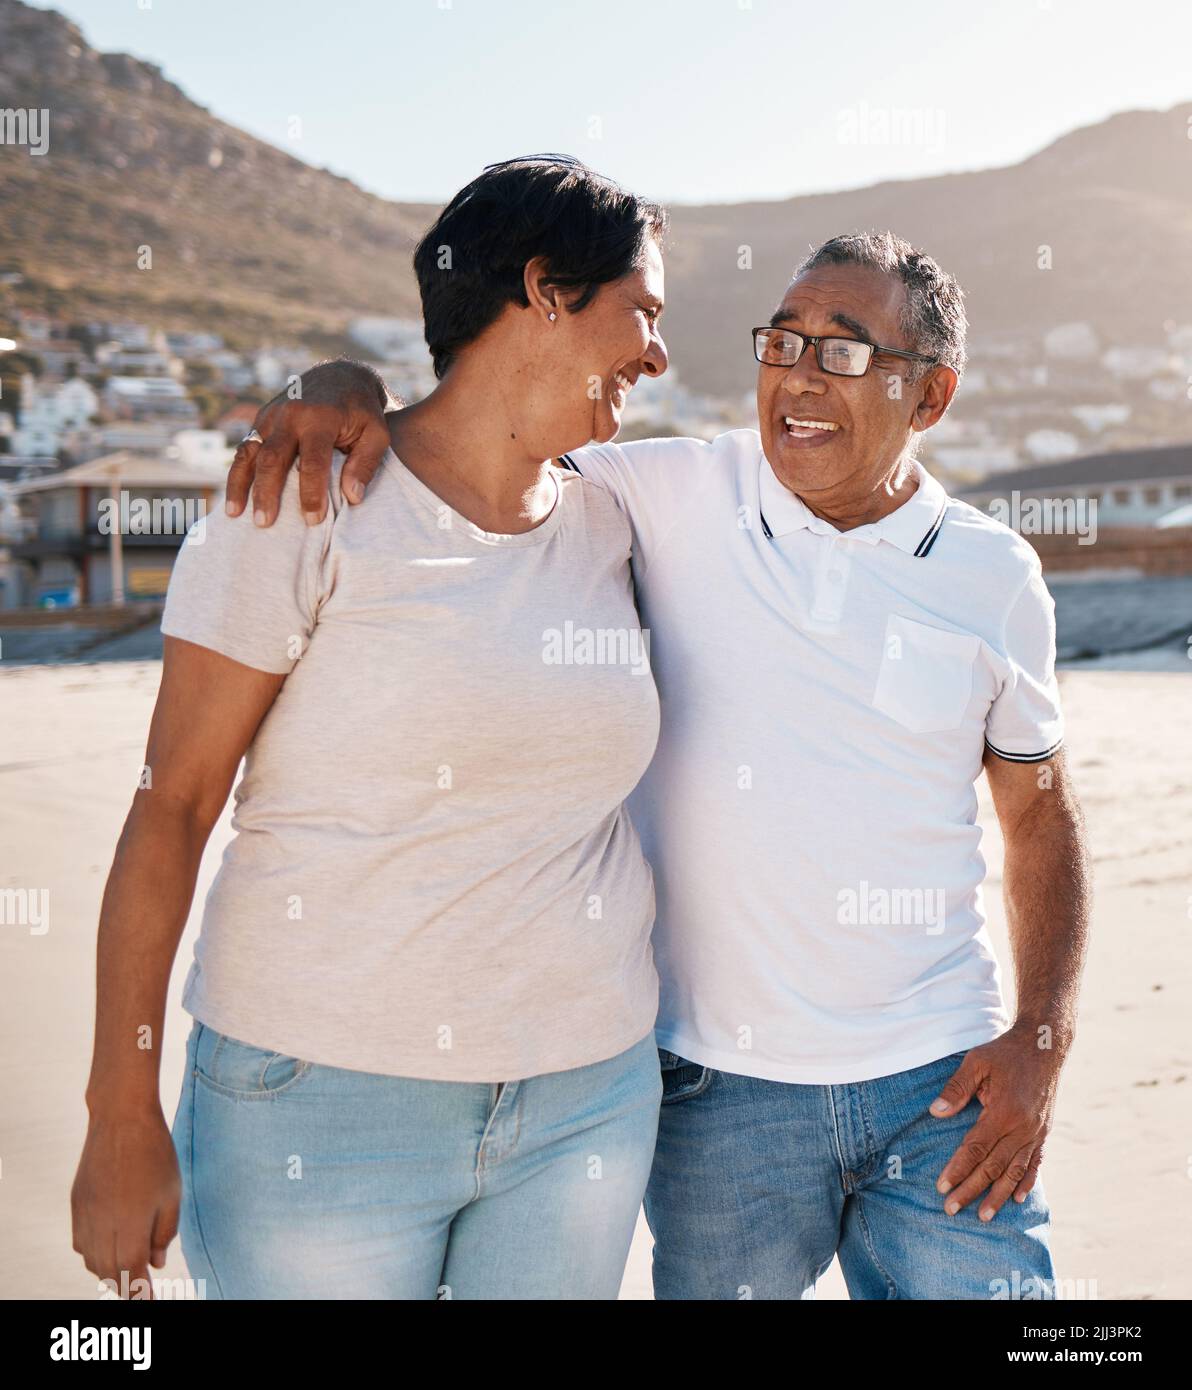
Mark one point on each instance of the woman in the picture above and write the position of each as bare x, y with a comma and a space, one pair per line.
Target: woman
422, 1060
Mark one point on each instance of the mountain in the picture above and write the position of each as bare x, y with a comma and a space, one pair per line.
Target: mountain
245, 239
1113, 202
251, 242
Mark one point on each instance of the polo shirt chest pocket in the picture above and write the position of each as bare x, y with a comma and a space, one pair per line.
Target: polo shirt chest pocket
926, 676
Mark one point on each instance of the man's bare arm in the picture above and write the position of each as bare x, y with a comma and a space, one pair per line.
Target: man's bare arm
338, 405
1048, 892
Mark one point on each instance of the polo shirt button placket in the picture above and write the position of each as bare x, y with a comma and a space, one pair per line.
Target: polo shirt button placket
831, 583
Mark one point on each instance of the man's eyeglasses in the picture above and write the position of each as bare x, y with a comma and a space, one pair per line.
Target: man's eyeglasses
779, 347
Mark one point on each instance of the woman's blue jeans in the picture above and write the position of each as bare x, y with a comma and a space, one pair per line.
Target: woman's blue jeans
308, 1181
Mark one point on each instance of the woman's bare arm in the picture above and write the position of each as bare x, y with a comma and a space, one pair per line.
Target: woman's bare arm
125, 1197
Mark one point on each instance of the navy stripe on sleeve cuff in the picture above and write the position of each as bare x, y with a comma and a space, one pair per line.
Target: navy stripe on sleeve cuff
1025, 757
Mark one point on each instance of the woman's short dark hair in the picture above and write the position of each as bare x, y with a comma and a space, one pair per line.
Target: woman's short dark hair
471, 263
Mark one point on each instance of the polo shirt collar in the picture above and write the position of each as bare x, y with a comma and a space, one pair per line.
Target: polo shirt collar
912, 527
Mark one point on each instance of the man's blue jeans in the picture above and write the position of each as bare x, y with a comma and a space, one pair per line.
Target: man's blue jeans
757, 1184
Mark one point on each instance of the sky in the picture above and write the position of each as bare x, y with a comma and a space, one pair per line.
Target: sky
686, 101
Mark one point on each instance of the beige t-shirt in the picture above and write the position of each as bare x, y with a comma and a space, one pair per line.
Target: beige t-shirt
433, 874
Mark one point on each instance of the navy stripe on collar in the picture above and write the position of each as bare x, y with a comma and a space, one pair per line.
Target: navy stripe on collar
924, 546
568, 462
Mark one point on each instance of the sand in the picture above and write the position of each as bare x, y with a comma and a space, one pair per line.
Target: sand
1119, 1165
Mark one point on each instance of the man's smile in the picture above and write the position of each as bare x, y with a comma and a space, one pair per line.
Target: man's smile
808, 431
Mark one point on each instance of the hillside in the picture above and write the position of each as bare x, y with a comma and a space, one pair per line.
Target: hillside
251, 242
1112, 201
245, 239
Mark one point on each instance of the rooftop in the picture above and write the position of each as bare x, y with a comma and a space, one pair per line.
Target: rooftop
1124, 466
145, 386
125, 469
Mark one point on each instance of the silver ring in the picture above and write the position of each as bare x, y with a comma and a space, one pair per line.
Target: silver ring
252, 437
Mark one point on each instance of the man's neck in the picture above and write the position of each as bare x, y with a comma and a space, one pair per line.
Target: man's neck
848, 510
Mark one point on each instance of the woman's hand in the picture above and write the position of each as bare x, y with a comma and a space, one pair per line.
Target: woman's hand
125, 1196
341, 406
124, 1203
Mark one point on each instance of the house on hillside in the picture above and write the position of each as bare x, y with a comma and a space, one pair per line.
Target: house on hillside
147, 362
235, 374
150, 398
389, 339
1133, 487
35, 329
138, 436
48, 411
134, 336
65, 556
188, 346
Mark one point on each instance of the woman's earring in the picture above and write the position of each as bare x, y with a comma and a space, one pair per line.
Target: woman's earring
551, 317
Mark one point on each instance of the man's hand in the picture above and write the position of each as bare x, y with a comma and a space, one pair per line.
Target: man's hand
341, 406
1015, 1080
1047, 892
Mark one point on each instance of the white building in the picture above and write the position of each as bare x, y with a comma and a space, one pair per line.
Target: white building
389, 339
34, 328
397, 348
273, 367
188, 345
1180, 342
114, 357
133, 436
66, 555
134, 336
1100, 415
1139, 363
1168, 388
1044, 446
1074, 341
971, 459
145, 397
234, 372
50, 410
200, 449
1130, 488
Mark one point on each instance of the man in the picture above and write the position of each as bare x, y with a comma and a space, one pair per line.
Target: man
840, 648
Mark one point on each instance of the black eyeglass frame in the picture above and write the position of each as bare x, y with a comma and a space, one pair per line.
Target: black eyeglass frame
814, 341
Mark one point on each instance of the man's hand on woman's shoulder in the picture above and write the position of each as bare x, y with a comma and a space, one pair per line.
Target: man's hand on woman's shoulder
341, 406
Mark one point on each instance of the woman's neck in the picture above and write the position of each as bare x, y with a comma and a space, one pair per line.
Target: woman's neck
462, 442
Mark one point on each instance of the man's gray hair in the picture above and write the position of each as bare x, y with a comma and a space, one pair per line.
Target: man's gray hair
933, 317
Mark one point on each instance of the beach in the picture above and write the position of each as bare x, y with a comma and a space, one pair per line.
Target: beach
1118, 1170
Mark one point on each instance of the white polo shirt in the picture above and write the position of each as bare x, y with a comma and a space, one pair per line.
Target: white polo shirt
810, 812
